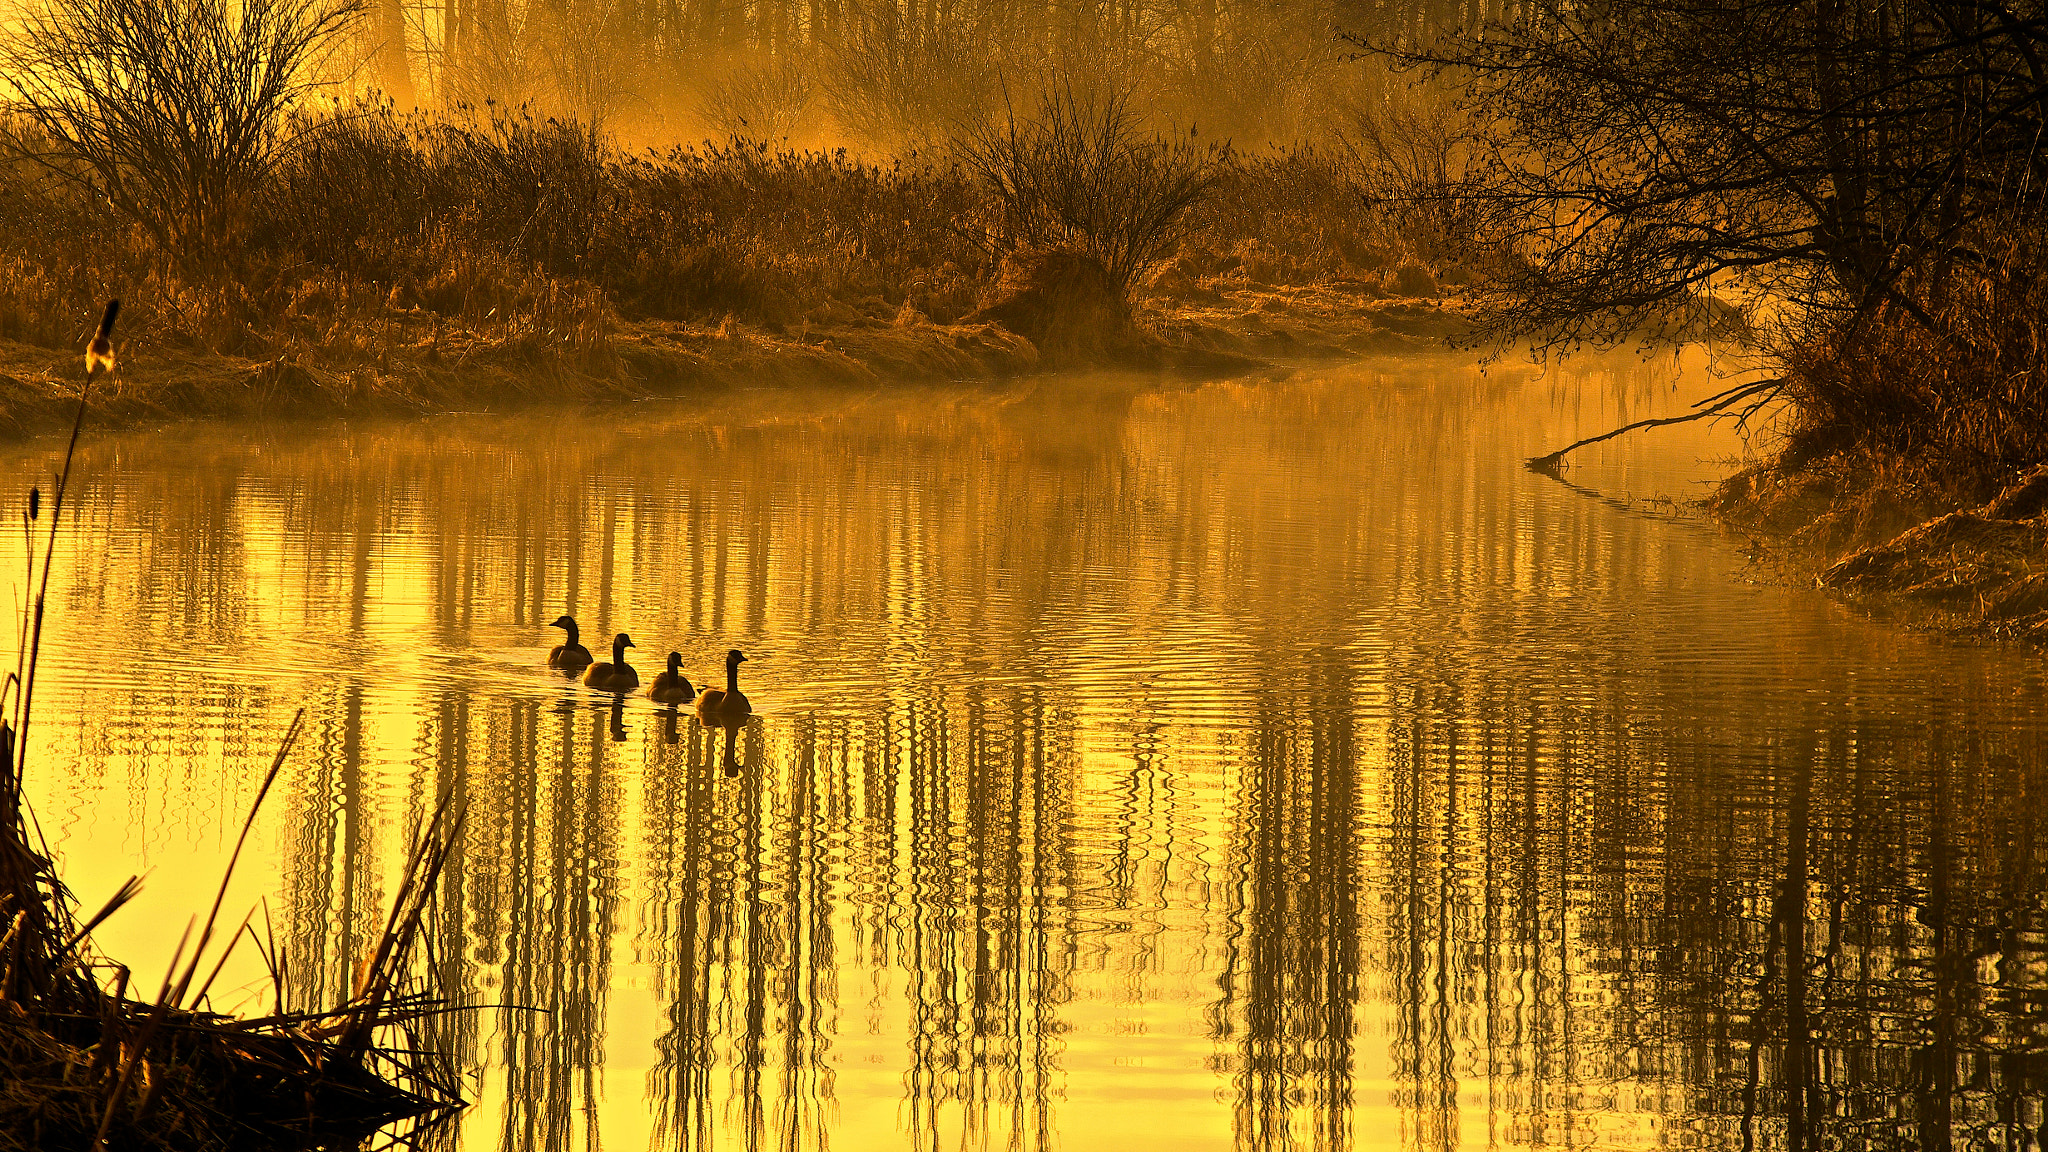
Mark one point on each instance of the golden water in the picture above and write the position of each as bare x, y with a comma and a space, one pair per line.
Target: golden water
1260, 765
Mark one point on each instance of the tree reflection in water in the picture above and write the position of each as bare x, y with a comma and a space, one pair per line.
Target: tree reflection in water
1260, 753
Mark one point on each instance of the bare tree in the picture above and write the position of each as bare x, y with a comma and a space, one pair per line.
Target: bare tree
1833, 154
897, 79
1875, 173
173, 110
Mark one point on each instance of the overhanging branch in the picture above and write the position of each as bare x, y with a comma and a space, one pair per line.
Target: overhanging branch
1548, 465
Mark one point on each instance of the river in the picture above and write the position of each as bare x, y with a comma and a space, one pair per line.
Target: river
1270, 764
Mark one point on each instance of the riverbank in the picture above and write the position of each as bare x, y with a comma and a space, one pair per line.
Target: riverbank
1969, 560
404, 359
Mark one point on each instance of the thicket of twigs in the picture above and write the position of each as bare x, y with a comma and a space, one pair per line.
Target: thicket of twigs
1869, 179
95, 1057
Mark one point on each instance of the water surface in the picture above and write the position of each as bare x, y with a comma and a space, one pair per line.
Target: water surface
1257, 765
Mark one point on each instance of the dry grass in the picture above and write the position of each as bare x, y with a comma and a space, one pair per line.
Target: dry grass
391, 255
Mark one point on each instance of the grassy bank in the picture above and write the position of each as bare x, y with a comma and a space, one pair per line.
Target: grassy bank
420, 263
1911, 476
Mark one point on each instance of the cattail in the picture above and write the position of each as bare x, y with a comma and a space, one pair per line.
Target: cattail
35, 502
99, 355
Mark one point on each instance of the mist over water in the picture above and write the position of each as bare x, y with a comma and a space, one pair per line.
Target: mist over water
1253, 765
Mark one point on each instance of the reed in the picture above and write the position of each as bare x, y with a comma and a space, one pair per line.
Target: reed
87, 1064
541, 243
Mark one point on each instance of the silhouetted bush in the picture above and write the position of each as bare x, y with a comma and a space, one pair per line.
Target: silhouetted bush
1082, 173
170, 111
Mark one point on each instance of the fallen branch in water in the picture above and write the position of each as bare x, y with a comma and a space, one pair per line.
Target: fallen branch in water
1715, 405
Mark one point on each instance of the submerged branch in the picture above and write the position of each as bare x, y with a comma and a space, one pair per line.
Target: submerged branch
1548, 465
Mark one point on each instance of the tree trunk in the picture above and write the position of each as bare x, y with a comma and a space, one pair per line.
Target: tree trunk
393, 61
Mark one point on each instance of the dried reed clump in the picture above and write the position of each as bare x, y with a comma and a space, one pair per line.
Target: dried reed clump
87, 1064
1962, 397
496, 234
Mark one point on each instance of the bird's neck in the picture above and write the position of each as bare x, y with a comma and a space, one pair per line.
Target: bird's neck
618, 652
574, 640
732, 676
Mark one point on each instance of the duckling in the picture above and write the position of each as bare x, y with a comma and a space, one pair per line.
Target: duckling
716, 704
572, 656
616, 676
672, 687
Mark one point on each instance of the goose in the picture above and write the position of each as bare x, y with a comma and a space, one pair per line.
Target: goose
572, 655
715, 704
617, 675
672, 687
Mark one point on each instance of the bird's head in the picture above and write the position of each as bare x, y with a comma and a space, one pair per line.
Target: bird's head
565, 622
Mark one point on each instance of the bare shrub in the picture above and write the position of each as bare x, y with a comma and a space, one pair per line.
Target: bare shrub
1083, 174
1415, 162
896, 82
760, 98
173, 110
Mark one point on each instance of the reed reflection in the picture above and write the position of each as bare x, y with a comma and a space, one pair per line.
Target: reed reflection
1805, 923
1258, 751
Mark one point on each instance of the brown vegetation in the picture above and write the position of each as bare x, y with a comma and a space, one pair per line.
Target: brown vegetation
421, 261
1866, 180
1910, 471
286, 245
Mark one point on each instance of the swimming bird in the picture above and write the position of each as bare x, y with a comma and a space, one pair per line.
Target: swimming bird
615, 675
716, 704
573, 655
672, 687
